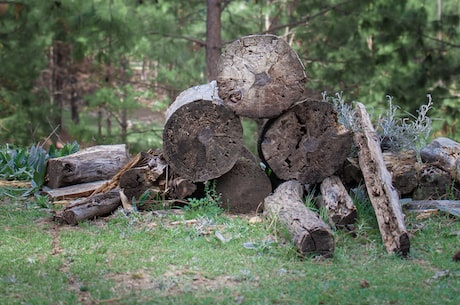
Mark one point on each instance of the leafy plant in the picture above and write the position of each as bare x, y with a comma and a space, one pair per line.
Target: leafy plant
29, 164
398, 133
209, 205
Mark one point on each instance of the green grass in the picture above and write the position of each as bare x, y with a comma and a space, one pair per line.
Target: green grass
145, 258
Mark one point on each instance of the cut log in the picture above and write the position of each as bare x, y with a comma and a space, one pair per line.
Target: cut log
88, 208
245, 186
92, 164
382, 194
73, 191
260, 76
305, 143
310, 234
202, 138
403, 168
339, 206
433, 183
443, 153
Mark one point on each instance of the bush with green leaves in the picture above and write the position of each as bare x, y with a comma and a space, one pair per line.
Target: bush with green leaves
29, 164
207, 206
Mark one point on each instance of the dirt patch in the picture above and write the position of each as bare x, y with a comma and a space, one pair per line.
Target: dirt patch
174, 281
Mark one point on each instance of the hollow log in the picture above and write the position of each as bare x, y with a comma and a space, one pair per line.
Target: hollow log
91, 164
382, 194
310, 234
305, 143
98, 205
245, 186
340, 208
260, 76
202, 138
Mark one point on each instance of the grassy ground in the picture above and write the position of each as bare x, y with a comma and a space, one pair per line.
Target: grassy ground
172, 258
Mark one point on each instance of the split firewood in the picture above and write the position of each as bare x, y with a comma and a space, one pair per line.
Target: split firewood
310, 234
382, 194
245, 186
305, 143
340, 208
449, 206
260, 76
91, 164
202, 138
73, 191
88, 208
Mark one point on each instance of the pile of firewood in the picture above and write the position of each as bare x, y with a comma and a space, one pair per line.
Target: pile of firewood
301, 143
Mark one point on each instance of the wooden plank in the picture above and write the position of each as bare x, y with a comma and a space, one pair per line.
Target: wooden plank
382, 194
73, 191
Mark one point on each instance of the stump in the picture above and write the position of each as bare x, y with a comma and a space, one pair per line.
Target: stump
382, 194
310, 234
260, 76
92, 164
305, 143
202, 138
245, 186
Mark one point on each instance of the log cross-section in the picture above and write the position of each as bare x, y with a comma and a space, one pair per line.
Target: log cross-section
260, 76
310, 234
382, 194
202, 138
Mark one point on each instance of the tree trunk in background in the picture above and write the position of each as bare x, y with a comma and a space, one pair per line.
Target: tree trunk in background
213, 43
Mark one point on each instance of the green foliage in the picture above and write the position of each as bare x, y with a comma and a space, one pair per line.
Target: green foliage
401, 133
29, 164
207, 206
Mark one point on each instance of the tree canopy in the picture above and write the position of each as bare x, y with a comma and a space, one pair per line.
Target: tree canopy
107, 57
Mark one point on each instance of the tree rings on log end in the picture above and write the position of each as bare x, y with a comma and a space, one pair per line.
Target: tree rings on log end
260, 76
202, 138
305, 143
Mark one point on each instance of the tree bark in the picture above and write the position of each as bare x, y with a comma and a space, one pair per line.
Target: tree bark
310, 234
305, 143
260, 76
202, 138
213, 40
73, 191
88, 208
245, 186
92, 164
382, 194
339, 206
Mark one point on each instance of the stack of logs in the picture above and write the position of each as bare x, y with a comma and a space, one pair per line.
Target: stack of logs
300, 142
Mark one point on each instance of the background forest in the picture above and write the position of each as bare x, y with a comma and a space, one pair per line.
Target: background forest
101, 71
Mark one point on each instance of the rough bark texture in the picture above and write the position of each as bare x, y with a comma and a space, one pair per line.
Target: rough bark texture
305, 143
260, 76
202, 138
244, 187
445, 154
339, 206
89, 208
311, 235
382, 194
404, 170
213, 43
92, 164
